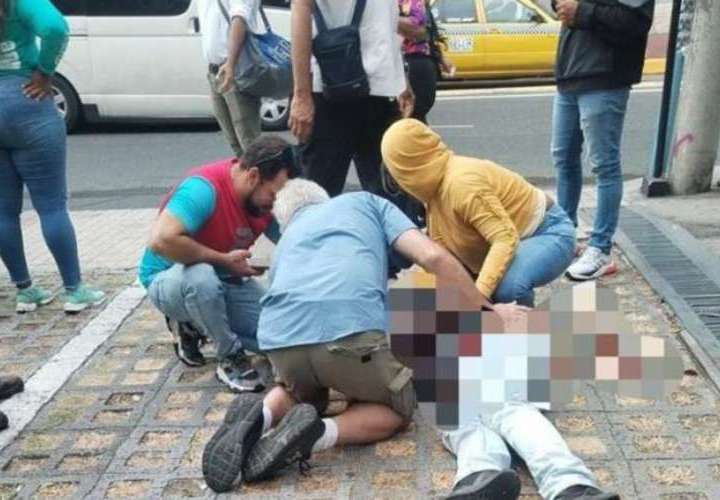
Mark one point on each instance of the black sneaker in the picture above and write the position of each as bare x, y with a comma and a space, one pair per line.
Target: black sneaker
9, 386
487, 485
584, 492
3, 421
291, 441
226, 452
238, 374
187, 342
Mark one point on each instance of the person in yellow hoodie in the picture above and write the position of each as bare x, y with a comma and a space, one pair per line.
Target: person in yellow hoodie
508, 233
514, 238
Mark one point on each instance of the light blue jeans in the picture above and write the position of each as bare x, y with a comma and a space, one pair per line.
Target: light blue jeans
483, 446
539, 259
33, 154
227, 312
597, 117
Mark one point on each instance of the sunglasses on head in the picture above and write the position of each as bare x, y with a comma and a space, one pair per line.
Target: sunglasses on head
286, 156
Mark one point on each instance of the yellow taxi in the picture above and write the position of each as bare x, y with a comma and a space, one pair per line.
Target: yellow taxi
498, 38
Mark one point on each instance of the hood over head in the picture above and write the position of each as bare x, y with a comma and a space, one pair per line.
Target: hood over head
416, 158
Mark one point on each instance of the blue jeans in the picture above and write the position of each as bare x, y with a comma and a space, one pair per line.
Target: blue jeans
33, 154
597, 117
539, 259
483, 445
226, 312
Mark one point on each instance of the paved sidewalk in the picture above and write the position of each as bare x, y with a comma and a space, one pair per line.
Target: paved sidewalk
132, 421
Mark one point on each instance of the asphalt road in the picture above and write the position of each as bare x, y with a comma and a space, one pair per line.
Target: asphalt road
131, 165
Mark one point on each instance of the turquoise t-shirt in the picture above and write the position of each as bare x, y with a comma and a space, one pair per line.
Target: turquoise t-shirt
329, 275
192, 203
28, 21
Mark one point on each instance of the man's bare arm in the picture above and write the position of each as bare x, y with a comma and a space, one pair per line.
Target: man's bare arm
238, 32
169, 239
302, 108
432, 257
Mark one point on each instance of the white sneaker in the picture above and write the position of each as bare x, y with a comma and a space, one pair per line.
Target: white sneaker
591, 265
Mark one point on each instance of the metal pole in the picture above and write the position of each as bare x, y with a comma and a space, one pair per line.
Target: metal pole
694, 150
660, 151
654, 183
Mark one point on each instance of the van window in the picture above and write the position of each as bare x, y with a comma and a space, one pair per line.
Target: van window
71, 7
137, 8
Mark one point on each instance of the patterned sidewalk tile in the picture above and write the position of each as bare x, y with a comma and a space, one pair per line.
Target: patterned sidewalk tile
133, 421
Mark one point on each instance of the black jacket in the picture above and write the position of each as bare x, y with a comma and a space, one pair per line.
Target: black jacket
606, 47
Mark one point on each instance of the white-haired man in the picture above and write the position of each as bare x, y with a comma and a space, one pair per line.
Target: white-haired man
324, 326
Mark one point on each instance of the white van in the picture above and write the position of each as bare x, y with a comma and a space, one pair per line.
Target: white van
143, 59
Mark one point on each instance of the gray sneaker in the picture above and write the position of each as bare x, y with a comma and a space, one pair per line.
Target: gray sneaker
225, 453
291, 441
238, 374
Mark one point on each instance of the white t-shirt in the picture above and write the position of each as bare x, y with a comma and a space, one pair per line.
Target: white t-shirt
215, 29
380, 44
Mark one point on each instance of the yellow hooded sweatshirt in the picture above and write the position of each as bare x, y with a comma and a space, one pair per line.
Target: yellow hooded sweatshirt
475, 208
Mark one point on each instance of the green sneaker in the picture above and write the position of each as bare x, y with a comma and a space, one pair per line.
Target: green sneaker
82, 298
28, 299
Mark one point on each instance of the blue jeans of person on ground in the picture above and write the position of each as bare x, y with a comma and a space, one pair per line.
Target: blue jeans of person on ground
539, 259
225, 311
595, 117
33, 154
485, 445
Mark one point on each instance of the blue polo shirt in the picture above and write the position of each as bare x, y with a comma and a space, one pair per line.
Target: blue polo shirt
328, 278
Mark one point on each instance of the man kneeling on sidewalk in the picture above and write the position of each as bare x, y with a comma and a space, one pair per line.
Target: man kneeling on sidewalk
196, 267
323, 325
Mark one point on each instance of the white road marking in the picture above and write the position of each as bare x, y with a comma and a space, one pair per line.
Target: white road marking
525, 92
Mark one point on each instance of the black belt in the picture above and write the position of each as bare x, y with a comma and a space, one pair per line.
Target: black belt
213, 68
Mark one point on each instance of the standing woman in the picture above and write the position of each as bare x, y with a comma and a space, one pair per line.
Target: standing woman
424, 59
33, 150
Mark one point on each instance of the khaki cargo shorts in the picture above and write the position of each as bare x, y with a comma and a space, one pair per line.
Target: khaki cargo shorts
360, 366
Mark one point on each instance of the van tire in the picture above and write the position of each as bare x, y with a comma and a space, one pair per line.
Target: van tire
274, 114
67, 102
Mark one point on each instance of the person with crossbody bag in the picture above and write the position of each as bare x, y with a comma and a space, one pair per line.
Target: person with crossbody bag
237, 113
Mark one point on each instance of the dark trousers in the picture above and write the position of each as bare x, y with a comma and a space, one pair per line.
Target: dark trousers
422, 73
344, 132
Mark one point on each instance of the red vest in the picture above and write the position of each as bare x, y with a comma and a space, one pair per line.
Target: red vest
229, 227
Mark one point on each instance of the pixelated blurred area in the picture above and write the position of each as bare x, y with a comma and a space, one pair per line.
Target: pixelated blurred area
467, 362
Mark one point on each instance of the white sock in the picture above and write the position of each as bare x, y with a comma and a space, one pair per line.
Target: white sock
267, 419
329, 437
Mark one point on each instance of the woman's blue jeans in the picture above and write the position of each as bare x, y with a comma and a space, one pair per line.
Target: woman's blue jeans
33, 154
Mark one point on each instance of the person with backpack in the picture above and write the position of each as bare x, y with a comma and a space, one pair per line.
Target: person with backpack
353, 91
33, 151
422, 49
